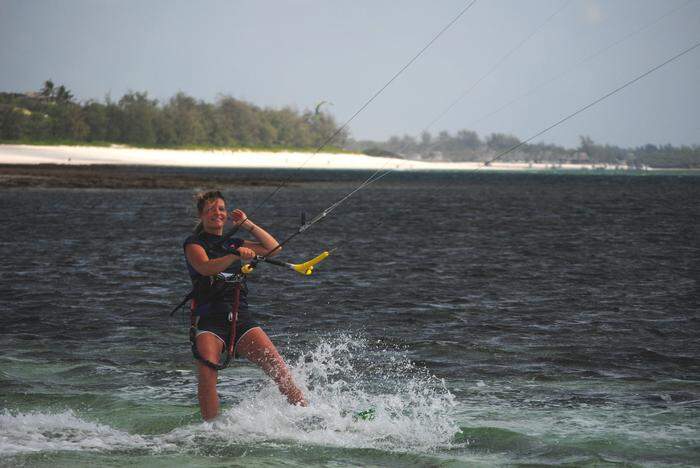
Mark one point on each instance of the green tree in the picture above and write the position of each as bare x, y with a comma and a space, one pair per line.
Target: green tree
97, 120
290, 129
63, 95
39, 127
183, 112
323, 126
48, 90
67, 122
13, 123
139, 114
115, 121
241, 119
468, 139
501, 141
165, 129
425, 138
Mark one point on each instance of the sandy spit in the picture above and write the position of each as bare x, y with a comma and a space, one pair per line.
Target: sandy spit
121, 155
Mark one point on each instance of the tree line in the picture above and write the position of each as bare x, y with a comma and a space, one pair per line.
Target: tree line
467, 145
53, 115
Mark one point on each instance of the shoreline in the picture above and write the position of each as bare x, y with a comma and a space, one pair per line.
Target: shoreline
256, 159
24, 166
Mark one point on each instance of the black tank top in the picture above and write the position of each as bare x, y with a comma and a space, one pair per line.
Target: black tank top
220, 303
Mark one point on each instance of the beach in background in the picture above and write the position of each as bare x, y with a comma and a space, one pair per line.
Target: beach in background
123, 155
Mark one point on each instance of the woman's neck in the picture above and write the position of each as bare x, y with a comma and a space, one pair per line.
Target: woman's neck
216, 232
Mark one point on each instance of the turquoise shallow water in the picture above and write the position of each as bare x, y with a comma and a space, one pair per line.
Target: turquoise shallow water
490, 320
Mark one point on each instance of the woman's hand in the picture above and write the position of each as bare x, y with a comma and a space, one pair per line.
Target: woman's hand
240, 219
264, 243
245, 253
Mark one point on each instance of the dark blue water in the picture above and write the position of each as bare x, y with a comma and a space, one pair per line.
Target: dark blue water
488, 318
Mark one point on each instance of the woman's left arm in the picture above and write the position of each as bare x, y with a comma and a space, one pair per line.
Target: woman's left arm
265, 242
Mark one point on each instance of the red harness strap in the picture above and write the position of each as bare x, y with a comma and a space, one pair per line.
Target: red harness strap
233, 317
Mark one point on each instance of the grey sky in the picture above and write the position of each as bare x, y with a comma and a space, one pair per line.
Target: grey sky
301, 52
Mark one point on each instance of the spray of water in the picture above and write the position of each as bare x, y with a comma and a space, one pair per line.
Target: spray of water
342, 376
413, 411
38, 432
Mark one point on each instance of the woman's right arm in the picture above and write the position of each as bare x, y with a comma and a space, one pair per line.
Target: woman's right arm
205, 266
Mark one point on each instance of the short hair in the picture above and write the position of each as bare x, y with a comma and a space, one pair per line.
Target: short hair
202, 198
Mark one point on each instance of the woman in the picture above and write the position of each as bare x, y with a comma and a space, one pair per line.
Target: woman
208, 256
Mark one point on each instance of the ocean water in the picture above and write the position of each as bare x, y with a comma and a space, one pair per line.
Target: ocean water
488, 319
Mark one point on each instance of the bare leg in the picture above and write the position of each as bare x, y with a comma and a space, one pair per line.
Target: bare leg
257, 347
209, 347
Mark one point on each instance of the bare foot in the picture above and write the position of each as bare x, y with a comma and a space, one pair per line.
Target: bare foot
296, 398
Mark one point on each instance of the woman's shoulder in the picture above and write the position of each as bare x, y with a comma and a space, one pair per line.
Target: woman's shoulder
194, 239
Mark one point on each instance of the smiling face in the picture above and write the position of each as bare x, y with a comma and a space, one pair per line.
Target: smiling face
213, 216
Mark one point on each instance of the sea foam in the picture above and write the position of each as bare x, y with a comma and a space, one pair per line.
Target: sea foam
340, 376
38, 432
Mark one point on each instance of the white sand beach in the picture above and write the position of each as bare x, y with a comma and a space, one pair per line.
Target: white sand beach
80, 155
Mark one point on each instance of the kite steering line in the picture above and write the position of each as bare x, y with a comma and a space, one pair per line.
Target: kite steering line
306, 268
235, 280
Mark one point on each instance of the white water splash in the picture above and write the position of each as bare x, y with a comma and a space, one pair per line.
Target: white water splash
341, 376
37, 432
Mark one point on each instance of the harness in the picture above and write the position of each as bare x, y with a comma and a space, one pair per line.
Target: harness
210, 289
196, 295
236, 279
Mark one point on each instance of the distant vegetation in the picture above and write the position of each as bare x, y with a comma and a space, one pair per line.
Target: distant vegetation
52, 116
466, 145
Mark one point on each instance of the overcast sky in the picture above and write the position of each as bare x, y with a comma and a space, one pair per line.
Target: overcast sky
298, 53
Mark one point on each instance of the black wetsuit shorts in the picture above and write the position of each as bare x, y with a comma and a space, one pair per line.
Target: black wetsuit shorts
217, 322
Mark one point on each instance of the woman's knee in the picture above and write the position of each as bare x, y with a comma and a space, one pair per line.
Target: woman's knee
257, 347
209, 347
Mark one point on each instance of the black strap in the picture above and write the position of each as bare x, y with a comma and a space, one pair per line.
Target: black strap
190, 295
